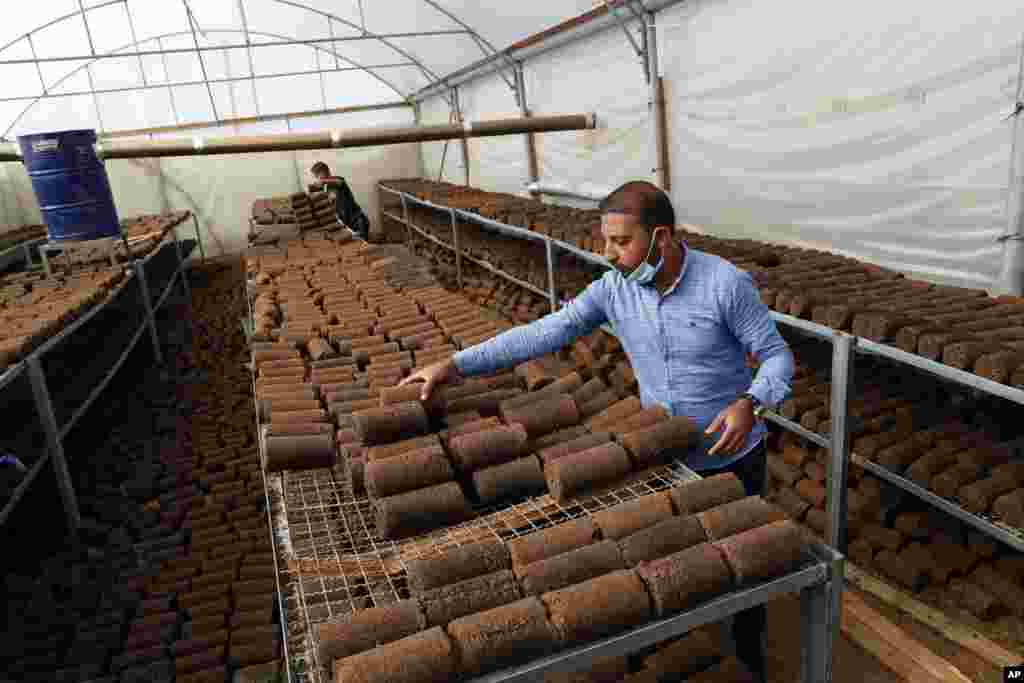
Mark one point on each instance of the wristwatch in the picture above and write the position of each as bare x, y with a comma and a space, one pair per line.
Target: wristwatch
755, 402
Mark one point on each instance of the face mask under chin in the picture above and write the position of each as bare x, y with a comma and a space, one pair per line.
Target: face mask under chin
645, 273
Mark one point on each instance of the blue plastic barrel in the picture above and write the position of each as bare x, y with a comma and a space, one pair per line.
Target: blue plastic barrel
71, 185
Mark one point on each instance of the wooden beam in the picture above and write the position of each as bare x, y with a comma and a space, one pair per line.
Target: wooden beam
893, 647
952, 630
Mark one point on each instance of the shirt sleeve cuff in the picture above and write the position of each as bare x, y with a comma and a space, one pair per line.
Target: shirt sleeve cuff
762, 394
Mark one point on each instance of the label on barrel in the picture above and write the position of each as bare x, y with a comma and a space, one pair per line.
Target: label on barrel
43, 146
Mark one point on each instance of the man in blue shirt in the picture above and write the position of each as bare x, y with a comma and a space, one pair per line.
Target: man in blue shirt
687, 320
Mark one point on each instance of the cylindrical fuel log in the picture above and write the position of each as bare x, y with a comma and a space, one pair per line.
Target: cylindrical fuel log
685, 579
512, 633
585, 469
362, 630
598, 608
299, 452
740, 515
627, 518
478, 594
534, 375
457, 564
544, 416
614, 414
491, 447
662, 539
651, 446
425, 657
697, 496
520, 477
571, 567
406, 472
421, 510
764, 552
391, 423
404, 446
552, 541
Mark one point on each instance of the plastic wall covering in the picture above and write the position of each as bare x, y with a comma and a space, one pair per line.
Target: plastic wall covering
220, 189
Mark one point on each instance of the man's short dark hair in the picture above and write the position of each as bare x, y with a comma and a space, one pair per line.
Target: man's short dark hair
644, 200
320, 167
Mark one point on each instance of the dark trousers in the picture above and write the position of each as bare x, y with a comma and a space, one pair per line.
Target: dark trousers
748, 626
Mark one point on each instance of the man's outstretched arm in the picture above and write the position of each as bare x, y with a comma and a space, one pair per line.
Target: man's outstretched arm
520, 344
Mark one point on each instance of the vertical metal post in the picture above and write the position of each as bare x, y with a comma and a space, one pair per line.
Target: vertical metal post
405, 219
41, 394
532, 165
1011, 274
417, 117
659, 119
458, 249
842, 377
140, 272
199, 238
816, 638
44, 257
181, 264
549, 251
464, 144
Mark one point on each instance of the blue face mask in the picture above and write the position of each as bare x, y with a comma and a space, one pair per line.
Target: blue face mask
645, 273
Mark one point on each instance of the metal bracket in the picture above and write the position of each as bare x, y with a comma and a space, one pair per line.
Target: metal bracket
1017, 109
640, 47
1016, 237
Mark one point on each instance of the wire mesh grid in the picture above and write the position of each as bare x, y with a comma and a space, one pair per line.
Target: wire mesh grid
335, 563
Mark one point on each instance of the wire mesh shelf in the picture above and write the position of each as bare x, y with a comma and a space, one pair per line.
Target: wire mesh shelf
334, 562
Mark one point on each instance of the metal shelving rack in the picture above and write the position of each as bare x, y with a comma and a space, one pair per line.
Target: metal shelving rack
819, 582
56, 433
845, 348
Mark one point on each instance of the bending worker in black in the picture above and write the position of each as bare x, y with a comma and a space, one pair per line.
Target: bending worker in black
345, 207
688, 320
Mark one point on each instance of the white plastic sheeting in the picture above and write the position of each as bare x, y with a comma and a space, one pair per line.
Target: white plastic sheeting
874, 129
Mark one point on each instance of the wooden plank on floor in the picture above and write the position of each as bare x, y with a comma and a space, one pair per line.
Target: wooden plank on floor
952, 630
893, 646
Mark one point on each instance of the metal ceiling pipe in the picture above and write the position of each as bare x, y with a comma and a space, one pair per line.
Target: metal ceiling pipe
359, 137
547, 41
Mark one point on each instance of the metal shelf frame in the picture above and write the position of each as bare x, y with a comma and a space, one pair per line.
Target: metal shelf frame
845, 348
54, 433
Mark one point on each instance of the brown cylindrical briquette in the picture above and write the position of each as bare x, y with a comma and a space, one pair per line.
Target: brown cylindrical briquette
319, 349
391, 423
783, 471
697, 496
457, 564
291, 416
343, 395
663, 538
627, 518
1002, 587
520, 477
261, 355
534, 375
615, 414
491, 447
815, 471
598, 403
364, 354
406, 472
447, 603
979, 496
350, 407
648, 417
410, 392
686, 656
598, 608
572, 567
294, 371
651, 445
355, 632
406, 445
592, 467
740, 515
589, 390
788, 499
425, 657
480, 425
561, 436
812, 491
486, 403
763, 552
300, 429
299, 452
1009, 508
882, 537
545, 416
504, 635
328, 363
421, 510
270, 406
552, 541
457, 419
895, 566
975, 599
686, 578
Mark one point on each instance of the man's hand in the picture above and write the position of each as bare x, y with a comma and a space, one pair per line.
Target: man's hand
735, 423
442, 372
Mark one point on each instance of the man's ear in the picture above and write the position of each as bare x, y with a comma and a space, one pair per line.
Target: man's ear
663, 236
